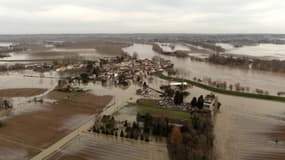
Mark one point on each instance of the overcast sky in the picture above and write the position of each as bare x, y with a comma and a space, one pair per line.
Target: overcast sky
142, 16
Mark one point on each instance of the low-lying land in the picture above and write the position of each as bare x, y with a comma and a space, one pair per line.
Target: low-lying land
188, 135
113, 48
41, 128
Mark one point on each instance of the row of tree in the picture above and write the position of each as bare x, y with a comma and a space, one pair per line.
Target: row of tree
247, 63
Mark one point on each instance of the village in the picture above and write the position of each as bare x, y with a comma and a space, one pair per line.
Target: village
162, 111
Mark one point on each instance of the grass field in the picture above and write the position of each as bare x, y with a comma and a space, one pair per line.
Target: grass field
223, 91
152, 107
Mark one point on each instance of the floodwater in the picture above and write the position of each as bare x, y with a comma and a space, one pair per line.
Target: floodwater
189, 69
18, 79
51, 54
5, 44
243, 125
268, 51
102, 147
240, 128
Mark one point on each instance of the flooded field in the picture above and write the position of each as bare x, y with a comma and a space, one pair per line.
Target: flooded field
101, 147
32, 118
52, 54
267, 51
189, 69
243, 128
19, 79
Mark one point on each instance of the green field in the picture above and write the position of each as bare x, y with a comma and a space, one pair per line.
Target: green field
152, 107
223, 91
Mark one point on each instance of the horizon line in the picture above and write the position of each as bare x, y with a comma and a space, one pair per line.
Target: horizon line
134, 33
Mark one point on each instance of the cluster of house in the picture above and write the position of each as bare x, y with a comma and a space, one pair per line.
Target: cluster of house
120, 70
126, 68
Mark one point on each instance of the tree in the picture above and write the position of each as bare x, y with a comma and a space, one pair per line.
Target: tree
200, 103
147, 122
145, 86
122, 134
155, 58
122, 79
84, 77
169, 92
126, 123
178, 98
135, 55
194, 102
176, 136
89, 67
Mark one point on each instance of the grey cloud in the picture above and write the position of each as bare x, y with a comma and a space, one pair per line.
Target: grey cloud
96, 16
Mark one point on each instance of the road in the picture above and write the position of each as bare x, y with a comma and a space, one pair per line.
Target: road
109, 109
56, 146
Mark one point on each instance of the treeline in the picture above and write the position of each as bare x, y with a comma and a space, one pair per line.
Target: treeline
194, 140
5, 68
11, 49
244, 62
158, 49
3, 55
207, 45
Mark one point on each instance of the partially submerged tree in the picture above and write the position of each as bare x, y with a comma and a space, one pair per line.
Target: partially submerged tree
200, 103
178, 98
194, 102
84, 77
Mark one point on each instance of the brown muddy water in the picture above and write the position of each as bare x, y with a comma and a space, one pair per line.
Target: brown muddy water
189, 69
17, 79
31, 56
243, 126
